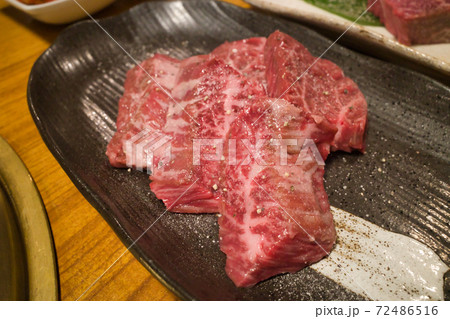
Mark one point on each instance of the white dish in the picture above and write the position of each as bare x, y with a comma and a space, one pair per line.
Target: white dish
60, 11
436, 56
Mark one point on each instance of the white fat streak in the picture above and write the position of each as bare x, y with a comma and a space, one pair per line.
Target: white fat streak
380, 264
170, 71
231, 90
250, 238
177, 125
180, 91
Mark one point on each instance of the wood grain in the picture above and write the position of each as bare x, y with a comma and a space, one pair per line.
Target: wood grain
85, 244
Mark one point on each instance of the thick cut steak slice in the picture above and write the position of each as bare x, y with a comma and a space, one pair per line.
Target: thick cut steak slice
415, 22
144, 104
246, 56
275, 218
322, 89
211, 93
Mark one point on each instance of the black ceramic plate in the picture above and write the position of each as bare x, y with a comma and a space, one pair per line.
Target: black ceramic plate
73, 93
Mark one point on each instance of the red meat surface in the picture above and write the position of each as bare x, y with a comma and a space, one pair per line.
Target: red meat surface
319, 87
275, 216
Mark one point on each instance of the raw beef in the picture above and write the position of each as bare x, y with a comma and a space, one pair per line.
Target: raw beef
415, 22
318, 87
275, 216
246, 56
211, 93
144, 104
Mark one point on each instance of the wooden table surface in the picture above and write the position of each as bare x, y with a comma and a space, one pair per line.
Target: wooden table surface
85, 245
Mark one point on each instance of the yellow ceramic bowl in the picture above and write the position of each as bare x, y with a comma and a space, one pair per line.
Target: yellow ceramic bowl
27, 257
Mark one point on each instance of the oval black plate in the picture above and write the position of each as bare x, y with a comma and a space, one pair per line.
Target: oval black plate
73, 93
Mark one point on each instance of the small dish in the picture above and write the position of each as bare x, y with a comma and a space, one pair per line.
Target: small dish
60, 11
27, 256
